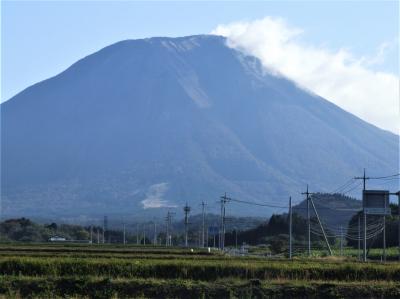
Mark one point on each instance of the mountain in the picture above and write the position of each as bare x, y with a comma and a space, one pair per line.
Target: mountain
143, 125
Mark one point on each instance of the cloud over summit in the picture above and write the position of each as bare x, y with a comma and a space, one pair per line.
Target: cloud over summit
339, 76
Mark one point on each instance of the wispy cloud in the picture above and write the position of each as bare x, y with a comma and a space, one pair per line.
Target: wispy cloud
154, 197
339, 76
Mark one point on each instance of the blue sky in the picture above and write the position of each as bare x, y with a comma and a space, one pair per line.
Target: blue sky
41, 39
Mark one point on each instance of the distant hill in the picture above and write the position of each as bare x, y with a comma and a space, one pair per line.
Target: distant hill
143, 125
334, 209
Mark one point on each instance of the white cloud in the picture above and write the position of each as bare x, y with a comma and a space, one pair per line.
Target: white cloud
154, 197
338, 76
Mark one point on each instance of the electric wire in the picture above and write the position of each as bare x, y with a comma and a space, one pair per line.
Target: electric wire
385, 177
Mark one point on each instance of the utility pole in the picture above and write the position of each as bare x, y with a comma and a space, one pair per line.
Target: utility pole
144, 234
170, 227
91, 234
235, 238
364, 178
105, 229
207, 236
167, 229
359, 237
155, 233
203, 207
168, 236
124, 242
137, 233
320, 224
384, 234
186, 210
98, 236
290, 227
341, 240
308, 219
398, 206
199, 238
220, 225
214, 240
398, 217
103, 232
365, 237
224, 200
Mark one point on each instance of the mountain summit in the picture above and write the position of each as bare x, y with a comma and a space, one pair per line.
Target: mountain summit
159, 122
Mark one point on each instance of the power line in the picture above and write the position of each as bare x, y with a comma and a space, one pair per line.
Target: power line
258, 204
349, 185
351, 189
286, 207
385, 177
344, 186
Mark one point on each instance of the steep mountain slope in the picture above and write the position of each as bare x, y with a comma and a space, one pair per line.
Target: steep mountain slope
161, 121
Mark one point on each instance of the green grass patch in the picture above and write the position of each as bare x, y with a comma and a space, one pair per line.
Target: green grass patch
200, 269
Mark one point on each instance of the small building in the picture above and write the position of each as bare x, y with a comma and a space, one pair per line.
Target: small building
57, 239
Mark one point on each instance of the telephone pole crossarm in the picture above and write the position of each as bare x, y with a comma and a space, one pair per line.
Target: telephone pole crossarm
364, 178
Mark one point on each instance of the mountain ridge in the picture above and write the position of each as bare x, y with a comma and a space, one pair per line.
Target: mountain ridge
223, 124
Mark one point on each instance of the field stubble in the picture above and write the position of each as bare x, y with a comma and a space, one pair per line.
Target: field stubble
45, 271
